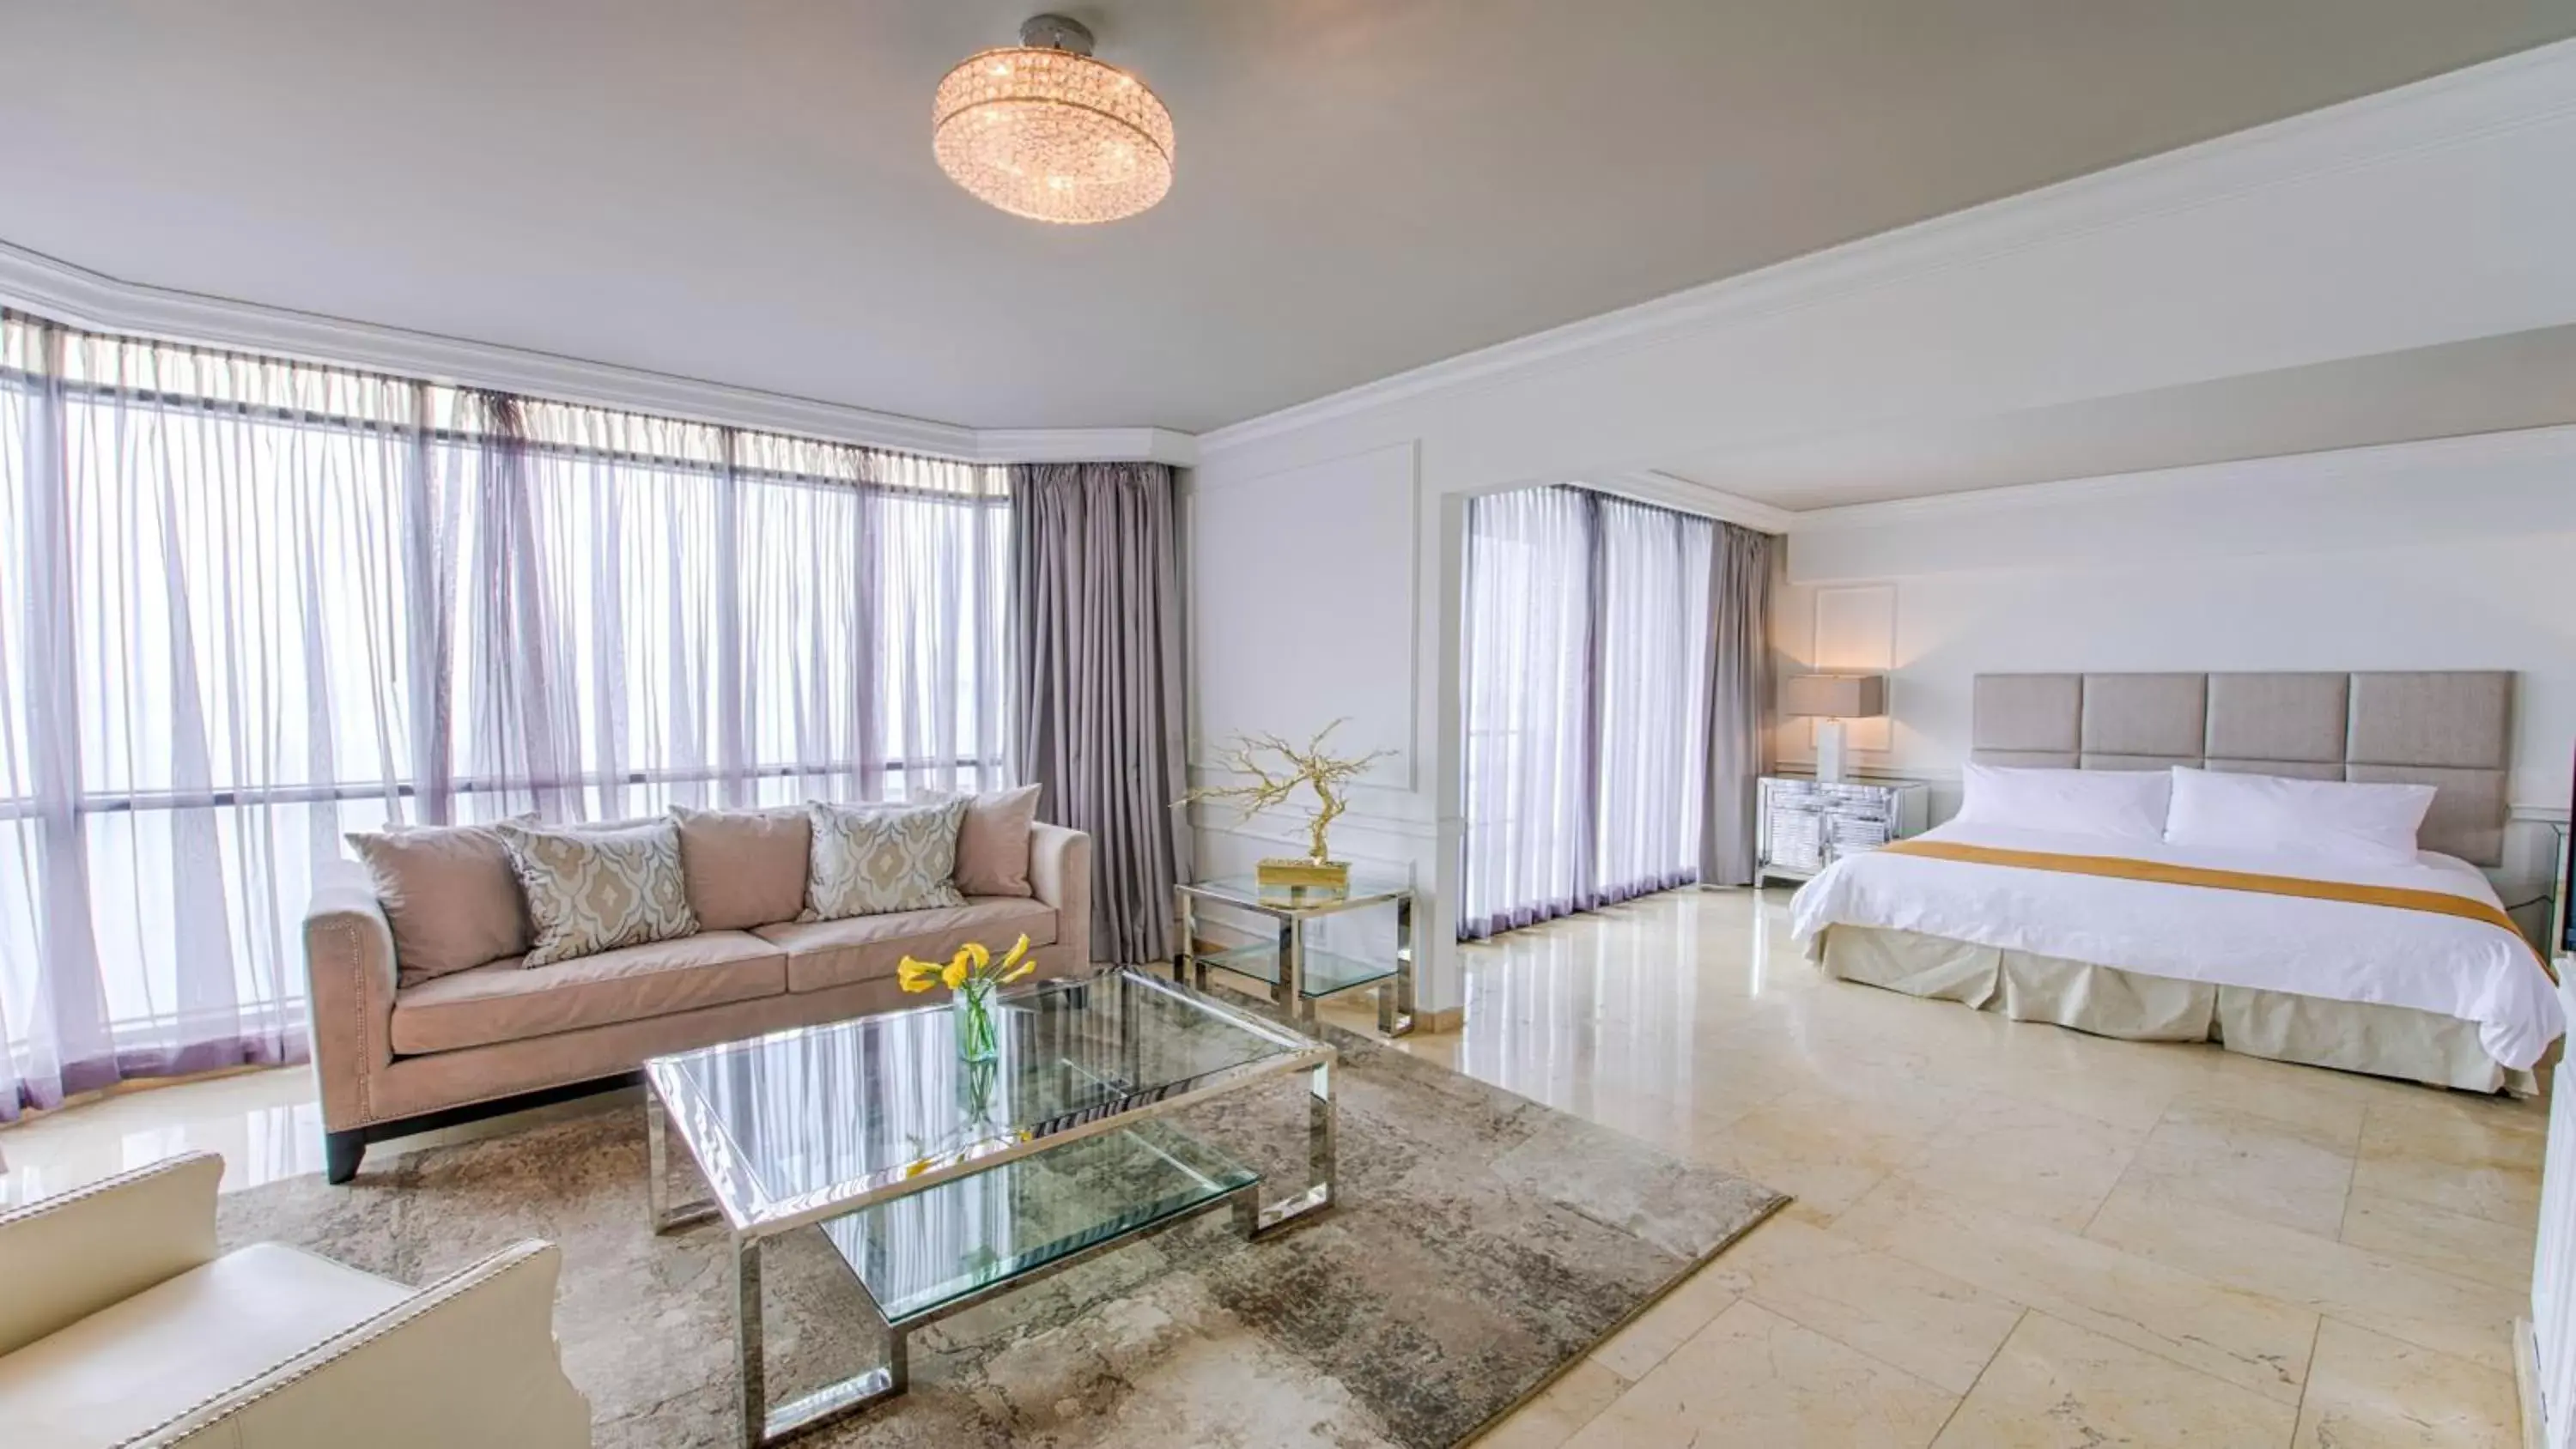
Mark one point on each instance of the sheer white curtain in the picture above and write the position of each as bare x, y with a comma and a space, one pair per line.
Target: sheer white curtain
1650, 638
1526, 646
1584, 654
202, 633
248, 605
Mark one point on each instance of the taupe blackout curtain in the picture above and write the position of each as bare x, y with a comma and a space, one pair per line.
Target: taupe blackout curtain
1739, 700
1098, 627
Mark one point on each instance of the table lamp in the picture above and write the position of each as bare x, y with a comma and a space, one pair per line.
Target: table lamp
1831, 699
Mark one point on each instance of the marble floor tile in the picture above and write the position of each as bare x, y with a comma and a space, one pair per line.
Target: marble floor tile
1753, 1377
2337, 1279
1650, 1337
2485, 1164
1559, 1411
1929, 1324
2056, 1386
2479, 1249
2250, 1163
1825, 1149
2028, 1159
2370, 1391
2249, 1340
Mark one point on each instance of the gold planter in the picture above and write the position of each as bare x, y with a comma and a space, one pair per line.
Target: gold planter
1313, 877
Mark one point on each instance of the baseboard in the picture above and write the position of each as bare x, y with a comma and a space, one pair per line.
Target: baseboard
2526, 1384
1452, 1018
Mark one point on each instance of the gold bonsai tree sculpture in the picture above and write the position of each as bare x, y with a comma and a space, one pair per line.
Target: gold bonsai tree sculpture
1271, 785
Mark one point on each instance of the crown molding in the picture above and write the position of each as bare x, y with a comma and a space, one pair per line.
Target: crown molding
1667, 490
1095, 445
2529, 88
2464, 452
75, 295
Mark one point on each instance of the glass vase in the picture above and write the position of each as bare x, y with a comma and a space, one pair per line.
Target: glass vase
972, 1010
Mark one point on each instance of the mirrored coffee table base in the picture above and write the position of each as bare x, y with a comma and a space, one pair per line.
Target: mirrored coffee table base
1064, 1154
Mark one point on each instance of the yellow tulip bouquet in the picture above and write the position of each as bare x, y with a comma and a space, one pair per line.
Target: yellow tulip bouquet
973, 975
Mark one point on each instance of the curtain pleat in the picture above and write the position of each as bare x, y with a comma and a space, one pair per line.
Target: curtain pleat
248, 605
1739, 700
1100, 691
1585, 664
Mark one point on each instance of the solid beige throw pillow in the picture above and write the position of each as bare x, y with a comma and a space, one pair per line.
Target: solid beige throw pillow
744, 868
599, 889
871, 859
993, 842
450, 896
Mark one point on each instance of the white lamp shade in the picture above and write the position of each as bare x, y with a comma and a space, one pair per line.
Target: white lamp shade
1834, 696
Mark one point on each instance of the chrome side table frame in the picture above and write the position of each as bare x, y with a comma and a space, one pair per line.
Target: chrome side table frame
1395, 994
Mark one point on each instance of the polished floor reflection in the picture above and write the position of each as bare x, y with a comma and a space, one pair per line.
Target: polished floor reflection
2008, 1234
2004, 1234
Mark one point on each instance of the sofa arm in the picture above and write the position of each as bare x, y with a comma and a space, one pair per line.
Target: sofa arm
1060, 875
64, 1258
471, 1359
349, 973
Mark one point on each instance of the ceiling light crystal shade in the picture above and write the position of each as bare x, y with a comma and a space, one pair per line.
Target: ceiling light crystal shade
1047, 132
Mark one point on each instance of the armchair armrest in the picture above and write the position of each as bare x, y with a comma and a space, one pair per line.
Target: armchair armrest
66, 1257
349, 971
1060, 875
471, 1359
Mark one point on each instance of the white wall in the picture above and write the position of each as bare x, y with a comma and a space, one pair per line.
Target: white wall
2459, 554
2407, 220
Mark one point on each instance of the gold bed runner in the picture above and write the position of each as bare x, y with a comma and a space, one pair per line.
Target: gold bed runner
2121, 867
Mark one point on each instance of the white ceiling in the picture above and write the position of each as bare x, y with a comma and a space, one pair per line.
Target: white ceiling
744, 192
2493, 384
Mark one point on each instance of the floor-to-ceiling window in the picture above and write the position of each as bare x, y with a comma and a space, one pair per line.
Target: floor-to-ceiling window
247, 605
1586, 670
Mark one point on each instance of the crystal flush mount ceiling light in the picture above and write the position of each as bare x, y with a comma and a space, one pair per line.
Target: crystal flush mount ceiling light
1042, 130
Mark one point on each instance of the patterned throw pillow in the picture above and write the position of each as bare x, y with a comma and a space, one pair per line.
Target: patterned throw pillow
597, 889
871, 859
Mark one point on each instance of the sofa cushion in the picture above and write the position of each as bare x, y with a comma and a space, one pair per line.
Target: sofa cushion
112, 1377
450, 896
594, 888
744, 868
822, 954
993, 842
876, 859
506, 1002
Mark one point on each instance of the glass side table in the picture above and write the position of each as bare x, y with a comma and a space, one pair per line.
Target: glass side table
1299, 975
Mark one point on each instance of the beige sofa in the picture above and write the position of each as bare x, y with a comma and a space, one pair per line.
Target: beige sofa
121, 1324
400, 1059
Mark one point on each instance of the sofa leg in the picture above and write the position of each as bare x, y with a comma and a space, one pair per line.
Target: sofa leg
341, 1153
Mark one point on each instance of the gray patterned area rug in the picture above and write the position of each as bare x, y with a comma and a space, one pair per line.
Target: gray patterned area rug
1481, 1242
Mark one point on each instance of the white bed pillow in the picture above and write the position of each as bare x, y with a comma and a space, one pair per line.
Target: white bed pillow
2113, 804
2325, 820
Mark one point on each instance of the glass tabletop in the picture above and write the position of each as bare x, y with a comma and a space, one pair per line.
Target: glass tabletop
1366, 888
799, 1125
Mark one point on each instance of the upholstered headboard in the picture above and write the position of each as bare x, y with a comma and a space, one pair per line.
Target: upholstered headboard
2450, 729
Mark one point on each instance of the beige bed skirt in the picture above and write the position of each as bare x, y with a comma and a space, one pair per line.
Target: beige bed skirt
2386, 1041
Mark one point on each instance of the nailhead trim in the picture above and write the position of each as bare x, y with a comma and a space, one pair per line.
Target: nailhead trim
28, 1212
340, 1344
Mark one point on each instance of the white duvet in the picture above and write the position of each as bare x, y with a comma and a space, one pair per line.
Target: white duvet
2335, 949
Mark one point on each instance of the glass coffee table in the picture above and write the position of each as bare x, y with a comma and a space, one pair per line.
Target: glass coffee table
941, 1182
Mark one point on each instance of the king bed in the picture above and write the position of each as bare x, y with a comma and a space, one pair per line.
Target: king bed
2400, 964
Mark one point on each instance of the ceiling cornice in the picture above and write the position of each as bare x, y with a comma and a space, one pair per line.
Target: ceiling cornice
2464, 453
1650, 486
80, 297
2532, 87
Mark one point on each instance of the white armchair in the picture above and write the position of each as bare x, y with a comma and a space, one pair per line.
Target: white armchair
120, 1325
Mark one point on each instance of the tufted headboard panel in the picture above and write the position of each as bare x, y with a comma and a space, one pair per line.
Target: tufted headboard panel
2452, 729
